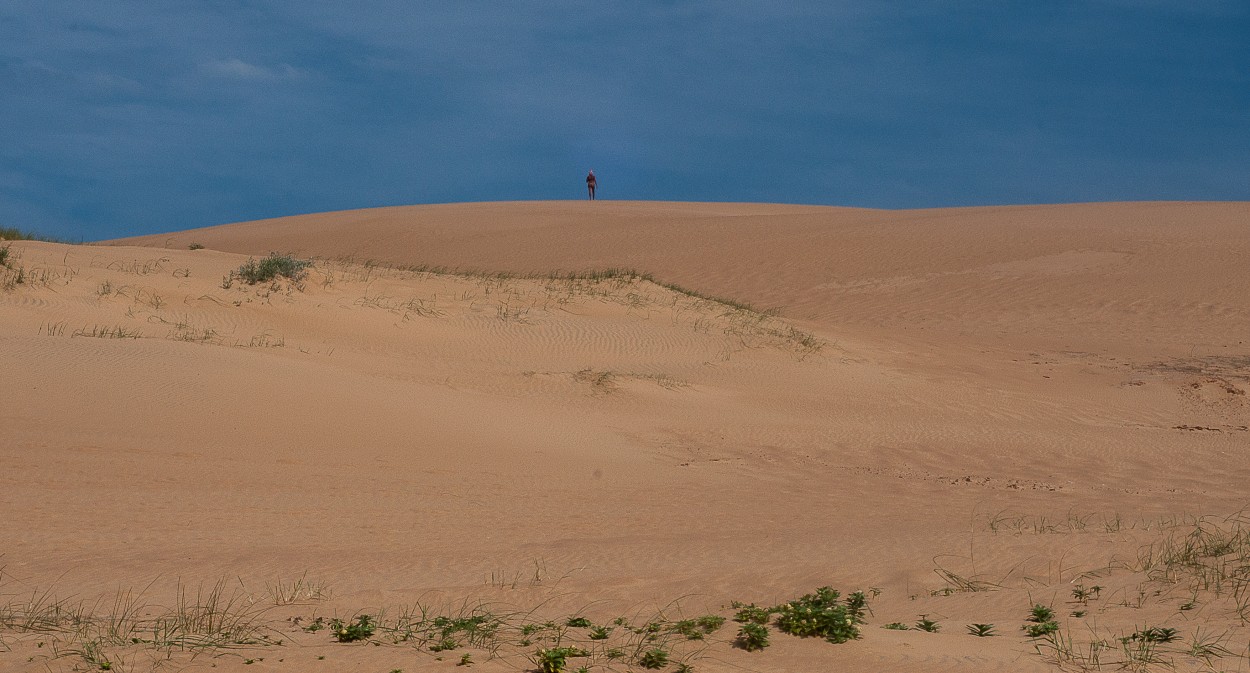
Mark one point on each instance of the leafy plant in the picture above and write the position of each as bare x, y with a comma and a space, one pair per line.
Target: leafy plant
195, 246
1083, 595
927, 625
696, 629
981, 630
1041, 614
896, 626
554, 659
654, 658
600, 632
752, 613
710, 623
752, 637
822, 614
347, 632
1042, 629
578, 622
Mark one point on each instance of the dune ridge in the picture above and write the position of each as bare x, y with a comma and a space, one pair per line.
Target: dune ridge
963, 412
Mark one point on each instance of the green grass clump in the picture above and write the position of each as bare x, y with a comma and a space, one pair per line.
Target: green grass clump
269, 268
476, 629
896, 626
349, 632
823, 614
1042, 622
14, 234
578, 623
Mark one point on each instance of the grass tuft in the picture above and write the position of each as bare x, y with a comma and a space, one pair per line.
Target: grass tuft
271, 267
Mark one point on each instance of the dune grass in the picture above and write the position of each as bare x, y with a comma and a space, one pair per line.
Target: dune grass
222, 616
15, 234
270, 268
748, 325
1207, 557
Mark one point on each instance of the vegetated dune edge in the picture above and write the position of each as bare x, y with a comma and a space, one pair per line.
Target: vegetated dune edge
1154, 265
963, 413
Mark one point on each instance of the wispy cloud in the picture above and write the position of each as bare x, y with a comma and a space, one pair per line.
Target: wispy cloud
234, 68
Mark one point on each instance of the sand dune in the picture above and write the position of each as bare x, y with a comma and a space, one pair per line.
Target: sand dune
1001, 399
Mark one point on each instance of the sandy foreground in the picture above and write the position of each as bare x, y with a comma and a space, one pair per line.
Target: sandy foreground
961, 412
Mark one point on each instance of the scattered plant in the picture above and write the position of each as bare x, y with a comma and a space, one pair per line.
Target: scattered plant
446, 643
347, 632
752, 636
1041, 629
554, 659
981, 630
753, 614
1153, 635
654, 658
1083, 595
1040, 614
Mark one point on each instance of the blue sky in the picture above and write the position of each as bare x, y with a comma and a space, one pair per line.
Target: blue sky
123, 117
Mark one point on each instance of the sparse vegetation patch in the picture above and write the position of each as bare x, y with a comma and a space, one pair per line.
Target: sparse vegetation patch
270, 268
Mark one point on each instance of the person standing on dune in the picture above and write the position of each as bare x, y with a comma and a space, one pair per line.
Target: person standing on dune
590, 184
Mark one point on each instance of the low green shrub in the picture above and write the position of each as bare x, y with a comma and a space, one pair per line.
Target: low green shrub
654, 658
555, 659
269, 268
752, 637
822, 614
347, 632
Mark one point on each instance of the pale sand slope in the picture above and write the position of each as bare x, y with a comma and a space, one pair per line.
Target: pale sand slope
959, 380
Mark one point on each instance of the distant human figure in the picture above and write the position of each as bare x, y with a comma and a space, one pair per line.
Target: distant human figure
590, 184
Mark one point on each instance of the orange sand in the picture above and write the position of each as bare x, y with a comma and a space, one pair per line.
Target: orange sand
1017, 395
